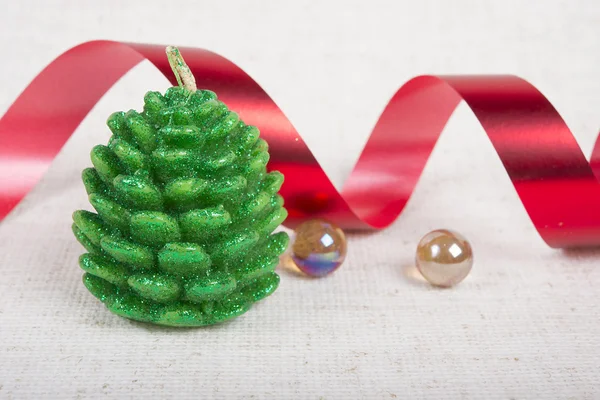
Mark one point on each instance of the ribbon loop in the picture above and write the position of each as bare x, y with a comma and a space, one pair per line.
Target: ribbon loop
555, 182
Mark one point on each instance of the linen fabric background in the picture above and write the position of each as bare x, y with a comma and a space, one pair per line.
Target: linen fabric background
524, 325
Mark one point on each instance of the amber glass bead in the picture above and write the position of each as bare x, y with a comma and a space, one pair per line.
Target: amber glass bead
444, 258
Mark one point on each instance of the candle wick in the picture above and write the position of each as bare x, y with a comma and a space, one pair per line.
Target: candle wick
182, 72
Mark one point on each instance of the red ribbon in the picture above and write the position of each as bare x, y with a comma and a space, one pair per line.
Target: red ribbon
556, 184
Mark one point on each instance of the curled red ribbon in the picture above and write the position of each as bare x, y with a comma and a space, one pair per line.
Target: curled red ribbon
552, 177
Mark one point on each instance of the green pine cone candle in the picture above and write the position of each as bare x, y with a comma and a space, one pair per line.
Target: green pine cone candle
183, 234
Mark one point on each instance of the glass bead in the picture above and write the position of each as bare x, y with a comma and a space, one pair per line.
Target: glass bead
444, 258
319, 247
